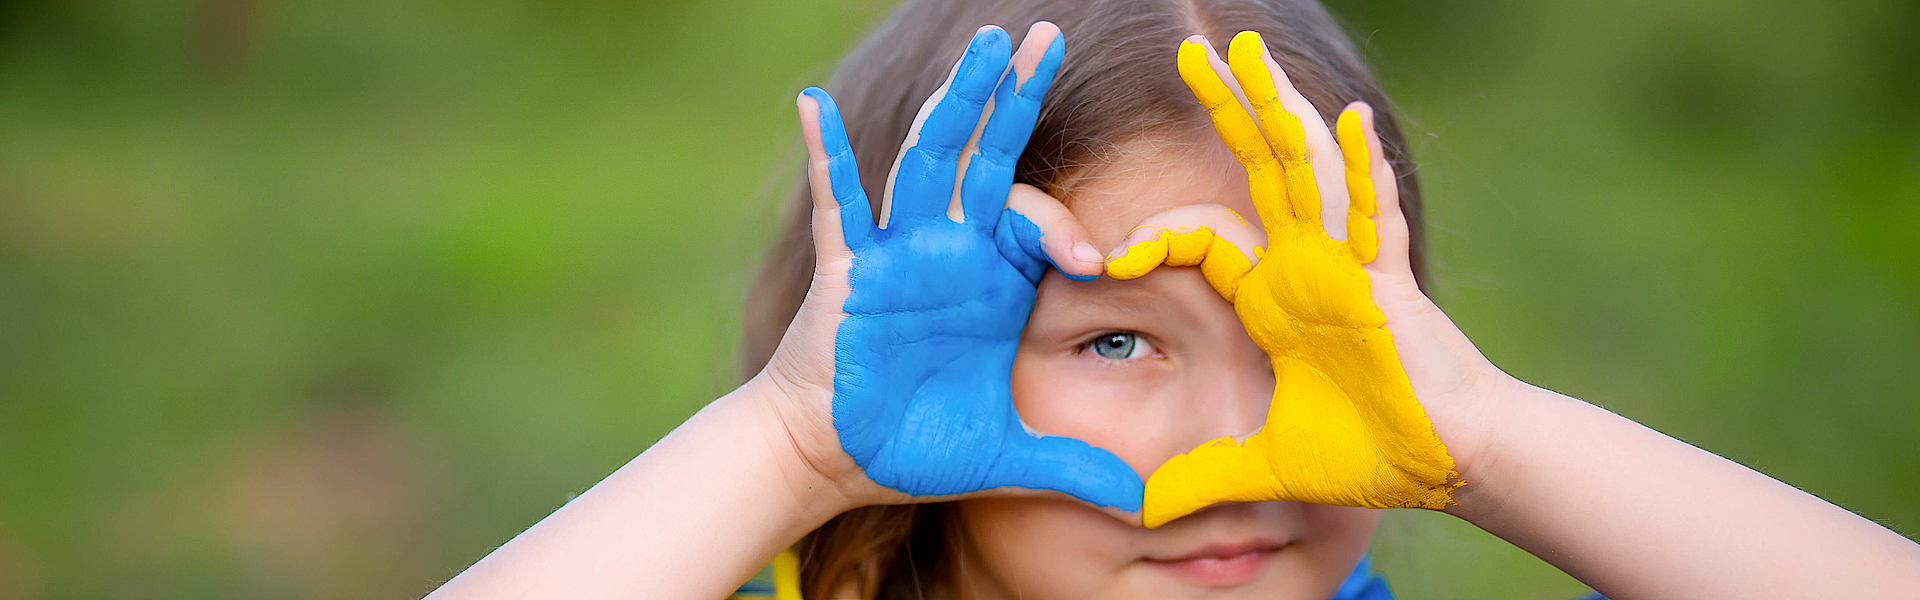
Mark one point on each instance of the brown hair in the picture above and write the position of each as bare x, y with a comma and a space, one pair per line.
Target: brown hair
1117, 85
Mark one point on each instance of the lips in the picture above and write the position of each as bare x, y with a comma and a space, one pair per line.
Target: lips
1221, 565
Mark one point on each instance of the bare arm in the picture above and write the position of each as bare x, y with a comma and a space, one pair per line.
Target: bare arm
1630, 511
703, 509
694, 516
1637, 514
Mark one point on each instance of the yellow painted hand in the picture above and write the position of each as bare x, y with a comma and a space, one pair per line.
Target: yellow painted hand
1344, 427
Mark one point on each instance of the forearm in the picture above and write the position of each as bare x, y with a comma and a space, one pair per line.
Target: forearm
692, 517
1638, 514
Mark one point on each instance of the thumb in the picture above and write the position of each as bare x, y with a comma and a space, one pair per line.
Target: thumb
1209, 236
833, 176
1067, 465
1036, 230
1222, 470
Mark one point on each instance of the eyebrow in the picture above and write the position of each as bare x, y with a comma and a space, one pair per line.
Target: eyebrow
1124, 307
1131, 301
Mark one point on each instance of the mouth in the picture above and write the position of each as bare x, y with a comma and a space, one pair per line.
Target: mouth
1221, 565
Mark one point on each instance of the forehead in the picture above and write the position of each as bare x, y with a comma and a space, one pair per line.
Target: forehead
1113, 197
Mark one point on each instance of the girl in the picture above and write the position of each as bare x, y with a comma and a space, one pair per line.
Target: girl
1224, 431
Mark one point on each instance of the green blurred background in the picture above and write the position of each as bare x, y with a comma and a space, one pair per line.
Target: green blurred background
326, 299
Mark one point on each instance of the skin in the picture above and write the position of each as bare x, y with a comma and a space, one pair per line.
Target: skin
923, 357
1344, 427
1201, 379
1632, 512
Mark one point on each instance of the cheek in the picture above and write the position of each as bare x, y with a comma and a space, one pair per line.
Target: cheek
1042, 548
1149, 412
1342, 531
1335, 537
1106, 409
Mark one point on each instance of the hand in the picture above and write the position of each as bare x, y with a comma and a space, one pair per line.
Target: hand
927, 308
1345, 426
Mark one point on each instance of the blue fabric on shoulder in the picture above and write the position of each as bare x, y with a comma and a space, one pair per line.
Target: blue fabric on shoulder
1363, 584
753, 590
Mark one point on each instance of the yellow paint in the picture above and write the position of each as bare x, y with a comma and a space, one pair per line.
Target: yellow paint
1284, 135
1344, 427
1362, 236
1219, 260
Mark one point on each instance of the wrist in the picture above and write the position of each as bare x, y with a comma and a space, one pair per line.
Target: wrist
801, 454
1499, 458
695, 514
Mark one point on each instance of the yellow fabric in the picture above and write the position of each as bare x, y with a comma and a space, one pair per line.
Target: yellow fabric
786, 579
786, 575
1343, 427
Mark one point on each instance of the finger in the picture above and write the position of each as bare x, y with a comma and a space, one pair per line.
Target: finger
924, 172
1225, 73
1361, 236
1323, 164
1036, 230
1299, 454
1390, 224
1310, 164
1068, 465
1015, 107
832, 174
1238, 130
1210, 236
1217, 471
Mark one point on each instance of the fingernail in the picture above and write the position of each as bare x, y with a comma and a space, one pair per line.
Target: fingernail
1085, 252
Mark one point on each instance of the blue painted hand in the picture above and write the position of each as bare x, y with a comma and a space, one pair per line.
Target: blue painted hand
923, 355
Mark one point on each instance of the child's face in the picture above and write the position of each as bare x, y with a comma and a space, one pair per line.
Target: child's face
1148, 369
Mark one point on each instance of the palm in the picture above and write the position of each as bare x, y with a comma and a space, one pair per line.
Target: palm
934, 320
1312, 279
923, 354
1344, 427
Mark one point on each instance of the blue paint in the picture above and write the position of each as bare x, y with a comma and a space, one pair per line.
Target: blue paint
923, 363
1363, 584
1019, 241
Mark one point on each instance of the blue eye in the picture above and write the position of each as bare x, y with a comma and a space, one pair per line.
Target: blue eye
1120, 346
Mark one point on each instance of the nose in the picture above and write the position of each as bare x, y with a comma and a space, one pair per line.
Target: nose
1226, 395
